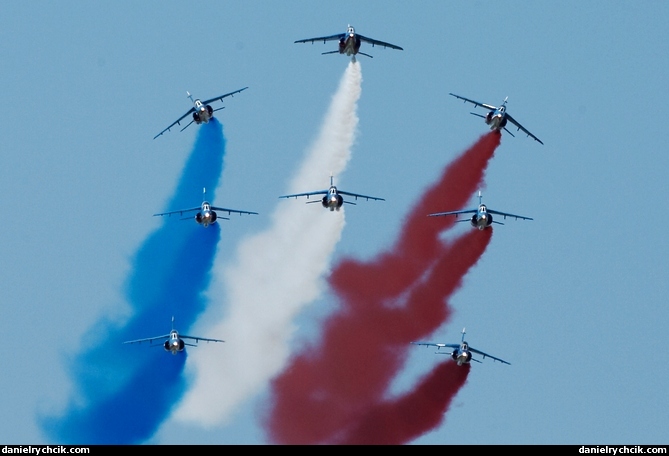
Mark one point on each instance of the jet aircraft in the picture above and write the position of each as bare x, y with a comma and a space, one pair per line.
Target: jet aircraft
202, 111
333, 198
349, 42
462, 353
173, 342
497, 117
206, 212
482, 217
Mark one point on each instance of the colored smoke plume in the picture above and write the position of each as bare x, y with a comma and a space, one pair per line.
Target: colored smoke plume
123, 392
275, 274
329, 392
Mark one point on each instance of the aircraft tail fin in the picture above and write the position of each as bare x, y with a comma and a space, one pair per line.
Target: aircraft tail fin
463, 334
172, 322
188, 95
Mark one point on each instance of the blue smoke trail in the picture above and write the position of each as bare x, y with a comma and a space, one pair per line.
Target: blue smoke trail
124, 392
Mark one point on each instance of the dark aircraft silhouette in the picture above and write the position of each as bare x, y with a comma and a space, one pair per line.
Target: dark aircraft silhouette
497, 117
482, 217
206, 212
462, 353
173, 342
202, 111
349, 42
332, 198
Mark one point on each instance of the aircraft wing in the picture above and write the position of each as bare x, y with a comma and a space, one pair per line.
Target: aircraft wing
374, 42
485, 355
474, 102
323, 38
438, 345
178, 121
466, 211
505, 215
230, 211
223, 96
197, 339
179, 212
148, 339
520, 127
308, 194
356, 196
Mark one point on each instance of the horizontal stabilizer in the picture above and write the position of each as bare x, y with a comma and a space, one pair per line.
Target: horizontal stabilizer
187, 125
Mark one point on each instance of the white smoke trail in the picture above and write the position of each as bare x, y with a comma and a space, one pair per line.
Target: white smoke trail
277, 273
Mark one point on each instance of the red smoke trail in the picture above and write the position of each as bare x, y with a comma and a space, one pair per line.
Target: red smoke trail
396, 422
329, 393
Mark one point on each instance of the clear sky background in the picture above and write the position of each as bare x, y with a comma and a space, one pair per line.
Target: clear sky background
575, 299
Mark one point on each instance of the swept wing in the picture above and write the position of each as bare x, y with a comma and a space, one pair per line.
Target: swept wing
177, 122
211, 100
474, 102
505, 215
148, 339
466, 211
356, 196
485, 355
374, 42
438, 345
307, 194
197, 339
180, 212
323, 38
520, 127
230, 211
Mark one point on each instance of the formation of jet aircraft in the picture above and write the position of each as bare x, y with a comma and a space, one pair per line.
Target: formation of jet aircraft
173, 342
462, 353
349, 42
497, 117
482, 217
332, 198
201, 110
206, 214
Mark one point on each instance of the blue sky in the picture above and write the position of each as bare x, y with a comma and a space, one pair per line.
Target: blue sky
575, 299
